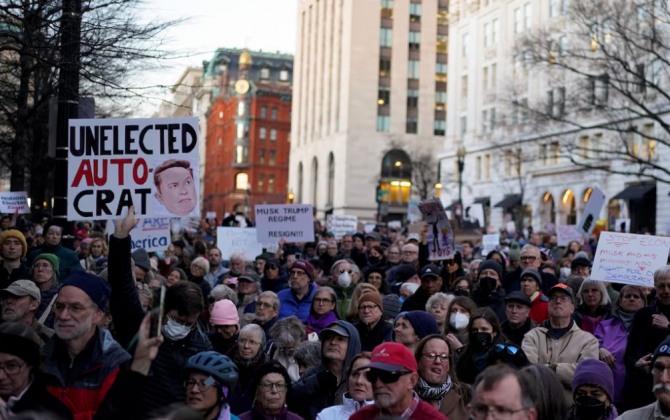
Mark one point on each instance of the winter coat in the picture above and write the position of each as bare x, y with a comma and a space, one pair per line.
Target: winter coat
381, 333
257, 413
539, 309
515, 335
573, 347
613, 336
37, 400
455, 403
587, 322
648, 412
494, 300
290, 305
311, 394
344, 411
69, 261
422, 412
242, 396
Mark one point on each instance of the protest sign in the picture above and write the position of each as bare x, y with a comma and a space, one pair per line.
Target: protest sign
210, 215
291, 222
152, 164
628, 258
591, 211
394, 224
440, 236
236, 239
473, 217
369, 227
341, 224
152, 234
413, 212
490, 243
622, 225
566, 234
14, 202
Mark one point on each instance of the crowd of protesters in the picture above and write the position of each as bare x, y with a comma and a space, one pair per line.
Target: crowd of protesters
364, 327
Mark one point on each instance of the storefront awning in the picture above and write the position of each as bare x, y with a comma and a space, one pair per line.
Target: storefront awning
510, 200
482, 200
635, 192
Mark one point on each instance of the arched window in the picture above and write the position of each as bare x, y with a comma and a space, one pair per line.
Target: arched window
300, 182
396, 164
315, 180
395, 184
331, 179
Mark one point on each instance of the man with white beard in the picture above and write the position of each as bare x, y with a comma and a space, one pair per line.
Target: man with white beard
660, 371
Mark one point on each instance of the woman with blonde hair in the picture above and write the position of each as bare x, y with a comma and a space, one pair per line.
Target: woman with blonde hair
352, 311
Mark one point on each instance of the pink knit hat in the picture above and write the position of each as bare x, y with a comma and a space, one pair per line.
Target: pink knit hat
224, 313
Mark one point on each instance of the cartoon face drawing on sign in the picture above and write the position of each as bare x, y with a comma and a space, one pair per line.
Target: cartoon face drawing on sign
175, 187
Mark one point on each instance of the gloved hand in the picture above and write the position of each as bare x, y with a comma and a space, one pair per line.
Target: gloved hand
327, 380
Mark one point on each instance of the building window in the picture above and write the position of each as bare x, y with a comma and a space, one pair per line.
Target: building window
264, 112
495, 31
273, 134
384, 67
439, 127
555, 153
526, 16
219, 141
384, 96
487, 167
383, 123
485, 78
463, 125
241, 154
412, 125
241, 181
415, 12
440, 99
283, 75
272, 161
441, 72
265, 73
413, 69
385, 37
261, 157
387, 9
488, 34
414, 40
412, 98
260, 184
240, 130
220, 114
271, 184
464, 86
478, 168
262, 133
273, 114
442, 44
331, 180
518, 20
240, 108
465, 47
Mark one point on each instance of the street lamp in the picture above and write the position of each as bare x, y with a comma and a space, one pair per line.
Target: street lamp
460, 155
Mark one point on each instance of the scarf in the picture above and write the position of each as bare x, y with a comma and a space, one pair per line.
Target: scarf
319, 322
626, 319
432, 393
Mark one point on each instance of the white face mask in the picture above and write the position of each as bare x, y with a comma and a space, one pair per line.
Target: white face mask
458, 320
565, 271
344, 279
176, 330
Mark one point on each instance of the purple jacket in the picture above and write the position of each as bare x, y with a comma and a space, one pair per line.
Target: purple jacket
256, 413
612, 335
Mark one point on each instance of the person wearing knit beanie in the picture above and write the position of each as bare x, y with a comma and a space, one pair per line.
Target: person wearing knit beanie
492, 265
16, 234
225, 322
51, 259
411, 326
593, 391
372, 329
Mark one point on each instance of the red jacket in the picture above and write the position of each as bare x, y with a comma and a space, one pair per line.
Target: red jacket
539, 309
424, 411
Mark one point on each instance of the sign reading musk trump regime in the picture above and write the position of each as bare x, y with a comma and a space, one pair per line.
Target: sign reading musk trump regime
149, 163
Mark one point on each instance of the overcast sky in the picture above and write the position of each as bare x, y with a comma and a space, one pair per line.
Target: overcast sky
269, 25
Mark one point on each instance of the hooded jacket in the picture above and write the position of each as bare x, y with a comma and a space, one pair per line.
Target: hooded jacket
312, 393
344, 411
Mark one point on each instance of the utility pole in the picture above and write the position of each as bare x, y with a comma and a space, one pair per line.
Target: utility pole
68, 104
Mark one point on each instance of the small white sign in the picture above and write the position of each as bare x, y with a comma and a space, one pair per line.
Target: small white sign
591, 211
14, 202
628, 258
236, 239
490, 243
566, 234
291, 222
341, 224
211, 215
152, 234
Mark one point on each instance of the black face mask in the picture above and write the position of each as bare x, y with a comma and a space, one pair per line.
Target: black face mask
487, 284
462, 292
374, 260
483, 340
589, 407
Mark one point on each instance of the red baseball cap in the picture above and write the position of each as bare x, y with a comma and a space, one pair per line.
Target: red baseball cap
392, 357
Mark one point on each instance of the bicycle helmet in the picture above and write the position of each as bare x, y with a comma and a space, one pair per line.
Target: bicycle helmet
218, 366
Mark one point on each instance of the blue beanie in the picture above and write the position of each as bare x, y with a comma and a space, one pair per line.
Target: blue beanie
594, 372
424, 324
95, 287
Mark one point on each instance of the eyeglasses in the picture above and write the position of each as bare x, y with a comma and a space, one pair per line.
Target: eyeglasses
659, 370
482, 412
366, 308
409, 252
11, 368
530, 258
74, 309
322, 301
444, 357
560, 298
45, 265
269, 386
203, 386
511, 349
298, 273
384, 376
271, 267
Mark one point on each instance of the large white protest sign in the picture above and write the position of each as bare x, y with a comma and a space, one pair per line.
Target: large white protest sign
440, 236
236, 239
341, 224
152, 164
490, 242
291, 222
152, 234
591, 211
566, 234
628, 258
14, 202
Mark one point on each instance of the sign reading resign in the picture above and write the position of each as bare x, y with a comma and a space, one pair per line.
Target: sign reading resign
291, 222
14, 202
152, 164
628, 258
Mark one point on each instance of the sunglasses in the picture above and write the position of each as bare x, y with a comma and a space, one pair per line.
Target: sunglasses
511, 349
384, 376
